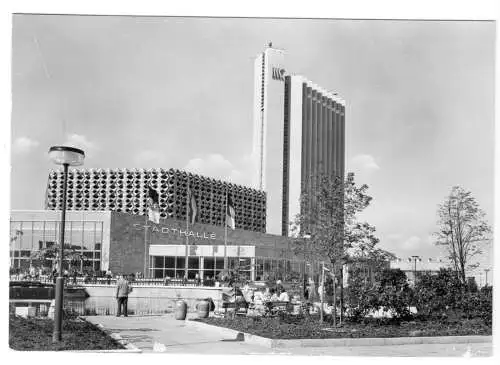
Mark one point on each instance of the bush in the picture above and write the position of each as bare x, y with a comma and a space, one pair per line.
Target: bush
390, 291
395, 294
361, 297
435, 295
476, 305
442, 296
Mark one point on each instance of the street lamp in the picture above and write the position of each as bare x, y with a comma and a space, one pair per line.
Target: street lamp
415, 258
65, 156
486, 279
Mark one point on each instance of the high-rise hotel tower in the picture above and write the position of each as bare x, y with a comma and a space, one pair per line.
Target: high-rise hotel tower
299, 133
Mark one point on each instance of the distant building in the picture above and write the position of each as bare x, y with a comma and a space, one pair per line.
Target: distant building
410, 267
299, 133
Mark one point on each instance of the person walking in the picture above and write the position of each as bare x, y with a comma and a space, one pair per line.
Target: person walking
123, 289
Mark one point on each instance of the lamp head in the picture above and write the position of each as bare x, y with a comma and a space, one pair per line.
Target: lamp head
61, 155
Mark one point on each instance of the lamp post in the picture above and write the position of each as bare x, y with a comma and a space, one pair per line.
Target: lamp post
486, 278
65, 156
415, 258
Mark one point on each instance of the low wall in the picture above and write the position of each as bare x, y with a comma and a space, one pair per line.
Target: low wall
167, 295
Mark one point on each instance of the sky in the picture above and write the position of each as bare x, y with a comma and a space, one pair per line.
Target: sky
145, 92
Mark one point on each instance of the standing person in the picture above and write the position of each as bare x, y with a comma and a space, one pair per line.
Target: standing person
32, 272
122, 291
54, 275
109, 275
311, 289
197, 278
75, 274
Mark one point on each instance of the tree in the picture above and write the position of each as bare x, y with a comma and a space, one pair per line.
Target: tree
462, 229
327, 228
51, 254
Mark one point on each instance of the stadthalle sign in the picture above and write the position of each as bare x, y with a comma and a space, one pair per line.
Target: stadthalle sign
172, 230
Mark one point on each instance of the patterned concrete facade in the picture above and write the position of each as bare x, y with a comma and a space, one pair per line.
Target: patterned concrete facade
126, 190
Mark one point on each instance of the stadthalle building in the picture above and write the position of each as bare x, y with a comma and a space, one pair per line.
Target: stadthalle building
299, 130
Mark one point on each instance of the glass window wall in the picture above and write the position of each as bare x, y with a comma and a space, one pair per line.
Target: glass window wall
209, 267
32, 243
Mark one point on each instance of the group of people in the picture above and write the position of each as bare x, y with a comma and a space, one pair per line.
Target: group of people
29, 274
198, 281
272, 294
323, 291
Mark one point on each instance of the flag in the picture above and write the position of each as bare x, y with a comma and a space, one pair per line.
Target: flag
153, 205
192, 207
230, 212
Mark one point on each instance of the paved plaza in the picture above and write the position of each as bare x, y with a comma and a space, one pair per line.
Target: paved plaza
165, 334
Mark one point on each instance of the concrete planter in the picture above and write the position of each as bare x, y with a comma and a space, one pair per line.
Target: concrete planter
344, 342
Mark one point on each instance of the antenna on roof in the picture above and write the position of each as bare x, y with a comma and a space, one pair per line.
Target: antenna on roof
270, 45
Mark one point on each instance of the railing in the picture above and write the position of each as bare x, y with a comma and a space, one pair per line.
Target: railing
80, 280
100, 306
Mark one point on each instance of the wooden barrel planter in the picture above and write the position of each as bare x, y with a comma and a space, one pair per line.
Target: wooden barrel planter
180, 310
203, 308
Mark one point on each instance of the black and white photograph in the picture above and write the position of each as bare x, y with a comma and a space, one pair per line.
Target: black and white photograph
241, 185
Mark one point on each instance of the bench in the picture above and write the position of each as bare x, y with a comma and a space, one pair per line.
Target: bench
276, 307
237, 306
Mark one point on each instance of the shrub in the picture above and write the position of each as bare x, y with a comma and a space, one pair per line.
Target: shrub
443, 296
435, 295
361, 297
390, 291
477, 305
395, 294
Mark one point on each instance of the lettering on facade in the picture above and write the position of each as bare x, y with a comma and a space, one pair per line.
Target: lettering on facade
180, 232
278, 73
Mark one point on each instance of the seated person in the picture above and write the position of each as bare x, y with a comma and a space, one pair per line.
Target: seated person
257, 296
274, 295
284, 296
266, 297
247, 293
279, 287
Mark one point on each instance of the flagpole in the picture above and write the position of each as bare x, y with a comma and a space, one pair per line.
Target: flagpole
224, 220
145, 242
146, 232
187, 229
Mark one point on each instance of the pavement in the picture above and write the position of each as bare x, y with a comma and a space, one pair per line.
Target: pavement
166, 334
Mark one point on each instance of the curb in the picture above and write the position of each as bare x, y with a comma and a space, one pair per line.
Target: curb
343, 342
